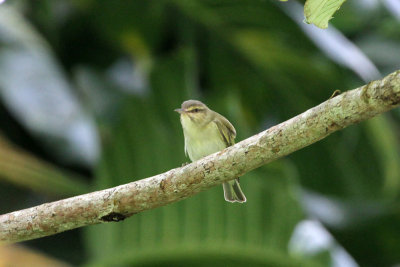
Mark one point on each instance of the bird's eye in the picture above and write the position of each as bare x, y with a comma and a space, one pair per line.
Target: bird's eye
195, 110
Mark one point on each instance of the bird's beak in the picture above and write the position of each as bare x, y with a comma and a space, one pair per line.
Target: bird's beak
179, 110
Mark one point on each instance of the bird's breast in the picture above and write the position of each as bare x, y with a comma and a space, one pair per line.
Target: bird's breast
201, 141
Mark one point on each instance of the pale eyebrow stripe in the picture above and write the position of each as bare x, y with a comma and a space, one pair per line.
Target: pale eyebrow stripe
194, 107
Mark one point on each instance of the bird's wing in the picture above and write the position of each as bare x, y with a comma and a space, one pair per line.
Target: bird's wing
226, 129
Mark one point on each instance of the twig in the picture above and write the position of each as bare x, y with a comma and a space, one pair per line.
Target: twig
120, 202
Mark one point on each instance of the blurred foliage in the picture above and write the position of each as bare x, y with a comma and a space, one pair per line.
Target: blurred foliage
130, 64
14, 255
26, 170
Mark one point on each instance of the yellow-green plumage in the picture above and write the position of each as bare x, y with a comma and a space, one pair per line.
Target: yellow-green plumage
207, 132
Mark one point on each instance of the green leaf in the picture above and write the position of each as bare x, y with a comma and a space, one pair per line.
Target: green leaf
319, 12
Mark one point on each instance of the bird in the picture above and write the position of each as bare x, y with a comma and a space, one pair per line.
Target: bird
206, 132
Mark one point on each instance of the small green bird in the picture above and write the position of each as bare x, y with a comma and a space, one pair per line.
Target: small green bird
207, 132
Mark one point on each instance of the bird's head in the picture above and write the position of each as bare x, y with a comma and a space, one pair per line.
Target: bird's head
194, 110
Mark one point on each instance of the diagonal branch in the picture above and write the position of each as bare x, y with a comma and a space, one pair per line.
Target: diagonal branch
120, 202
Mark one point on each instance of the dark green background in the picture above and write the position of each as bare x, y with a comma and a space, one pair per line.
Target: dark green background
252, 63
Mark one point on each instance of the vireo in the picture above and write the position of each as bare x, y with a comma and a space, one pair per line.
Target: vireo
207, 132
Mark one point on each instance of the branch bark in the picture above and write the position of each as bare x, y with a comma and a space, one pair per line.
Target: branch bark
120, 202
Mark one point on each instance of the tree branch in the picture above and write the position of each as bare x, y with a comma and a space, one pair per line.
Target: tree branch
120, 202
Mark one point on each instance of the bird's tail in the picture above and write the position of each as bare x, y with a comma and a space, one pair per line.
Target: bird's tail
233, 192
